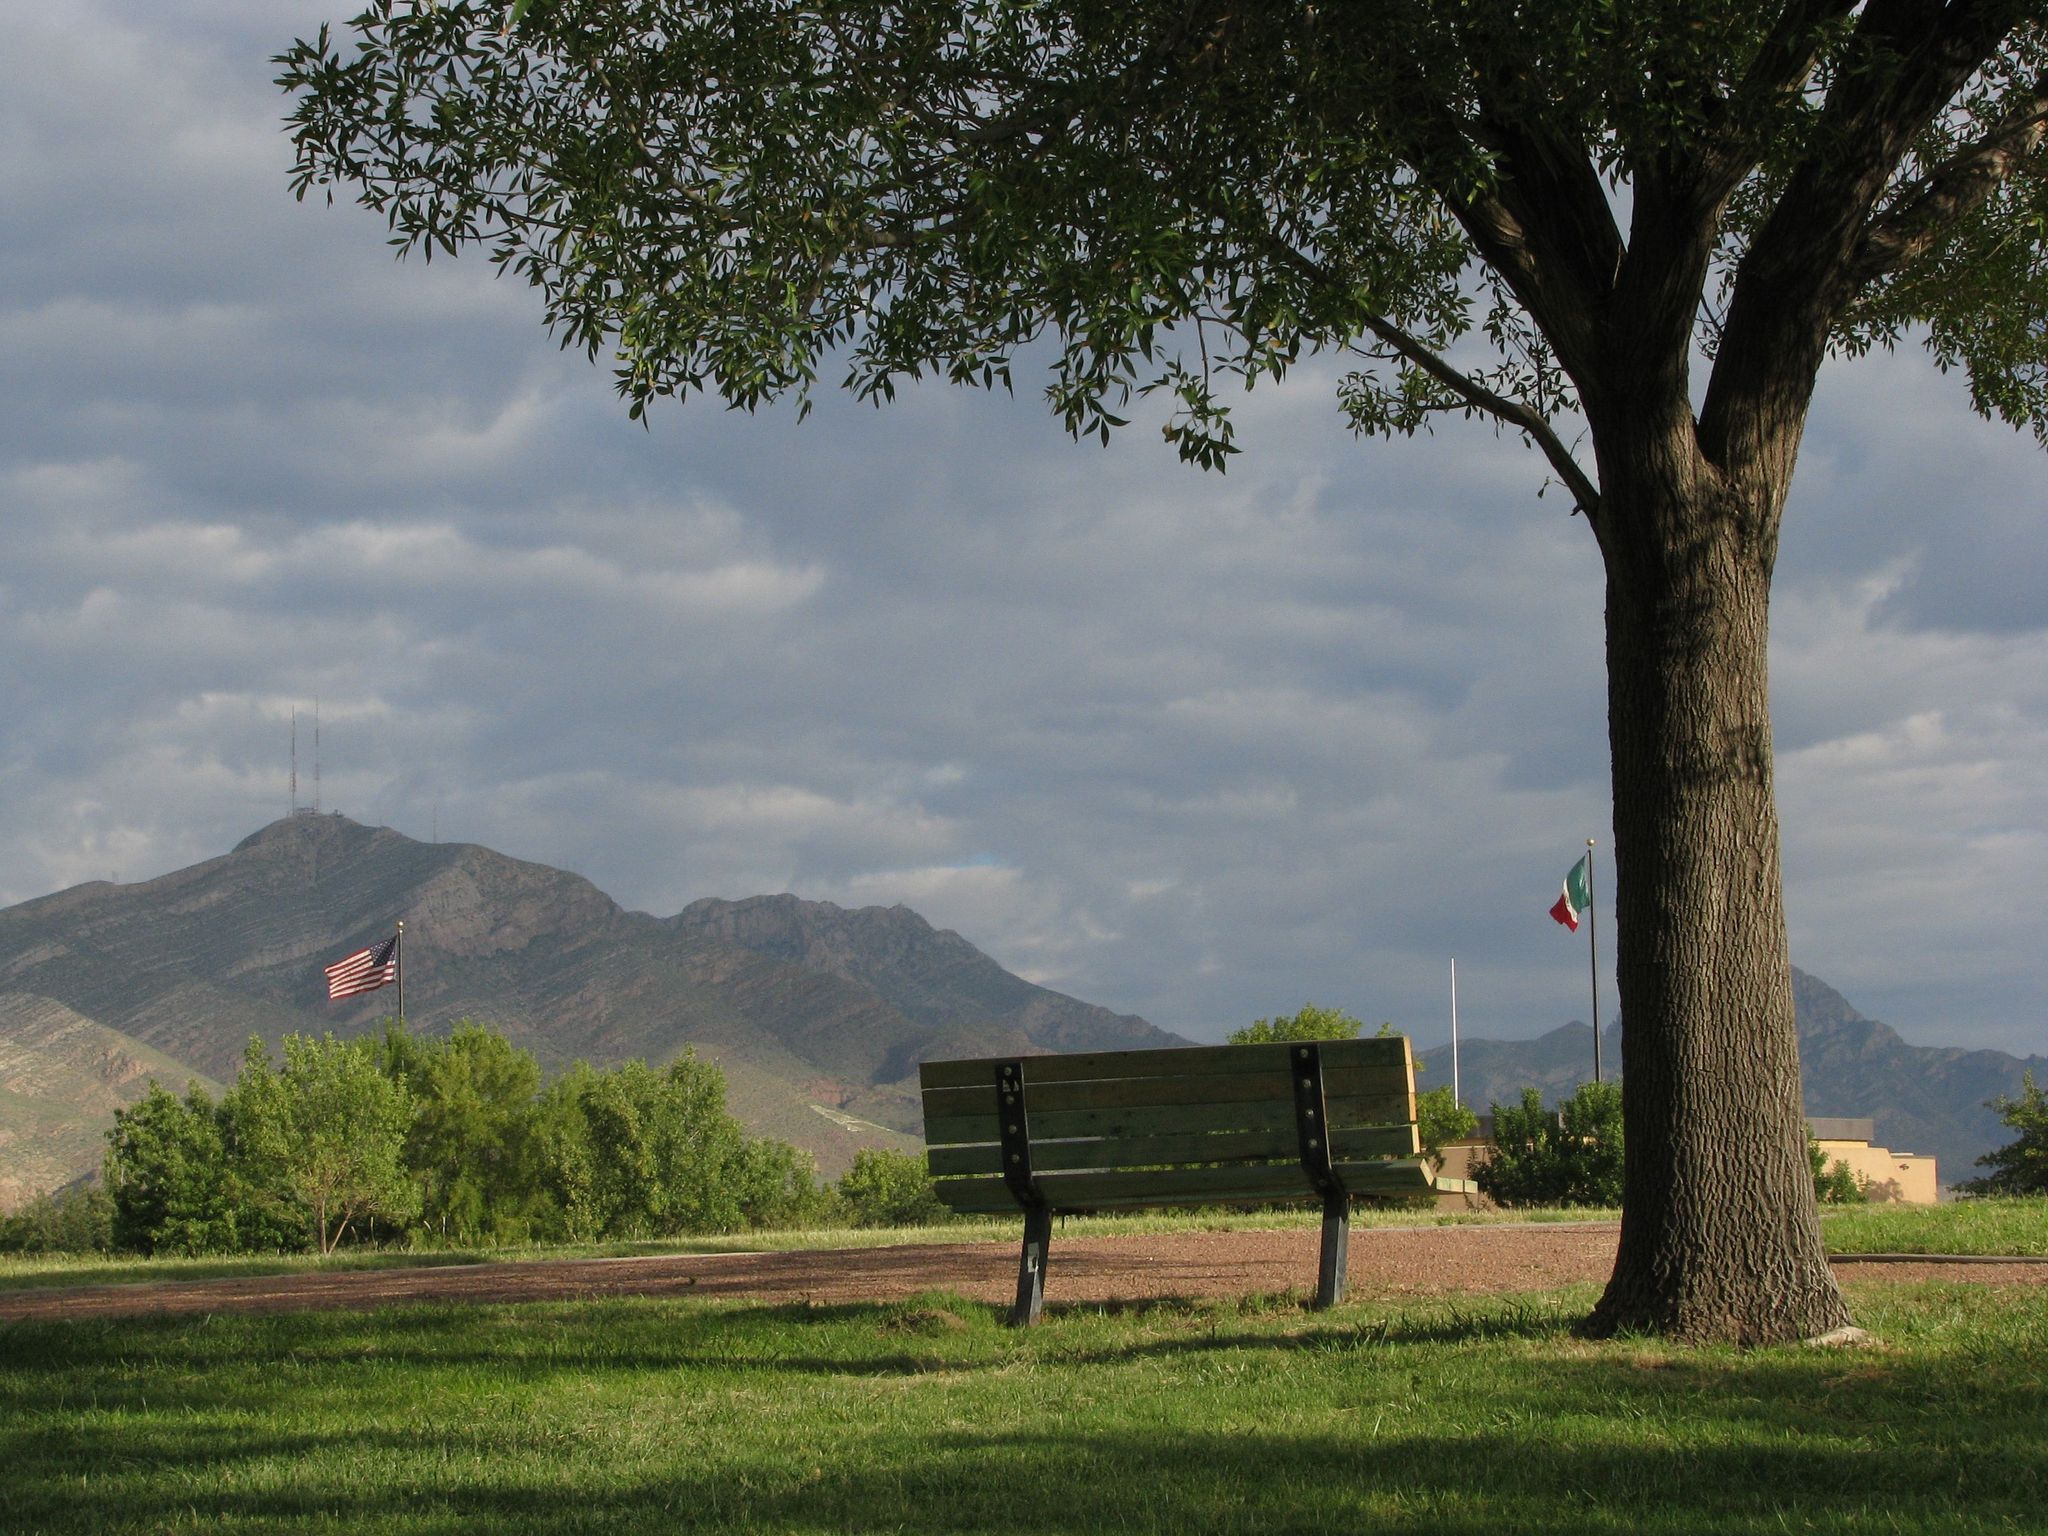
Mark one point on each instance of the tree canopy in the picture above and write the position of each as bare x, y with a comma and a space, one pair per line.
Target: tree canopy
2020, 1167
1548, 213
1184, 197
1310, 1022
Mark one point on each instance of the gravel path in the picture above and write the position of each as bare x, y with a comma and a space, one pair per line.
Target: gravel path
1385, 1262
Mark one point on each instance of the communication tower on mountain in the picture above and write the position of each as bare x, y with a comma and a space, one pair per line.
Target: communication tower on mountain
314, 808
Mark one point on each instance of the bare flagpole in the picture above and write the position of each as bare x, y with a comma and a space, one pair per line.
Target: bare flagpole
1456, 1097
398, 961
1593, 960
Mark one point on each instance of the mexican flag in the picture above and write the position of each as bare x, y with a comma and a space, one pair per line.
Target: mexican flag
1578, 894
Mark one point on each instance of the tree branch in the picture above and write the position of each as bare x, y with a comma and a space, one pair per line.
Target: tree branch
1512, 413
1925, 211
1909, 60
1780, 69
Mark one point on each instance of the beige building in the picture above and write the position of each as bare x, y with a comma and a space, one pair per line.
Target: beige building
1885, 1175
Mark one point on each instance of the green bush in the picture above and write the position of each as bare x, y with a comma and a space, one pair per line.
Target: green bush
1568, 1156
472, 1148
884, 1188
778, 1187
177, 1184
450, 1141
1833, 1183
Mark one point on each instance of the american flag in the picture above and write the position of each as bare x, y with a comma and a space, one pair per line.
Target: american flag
364, 971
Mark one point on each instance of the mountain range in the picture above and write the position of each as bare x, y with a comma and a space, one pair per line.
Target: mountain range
1923, 1099
817, 1014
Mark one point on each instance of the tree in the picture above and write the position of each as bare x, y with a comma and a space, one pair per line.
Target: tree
328, 1128
1568, 1156
1311, 1023
2021, 1166
636, 1152
776, 1185
1540, 212
1440, 1119
166, 1170
471, 1147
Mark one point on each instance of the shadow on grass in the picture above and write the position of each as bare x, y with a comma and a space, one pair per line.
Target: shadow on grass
1725, 1467
637, 1416
942, 1332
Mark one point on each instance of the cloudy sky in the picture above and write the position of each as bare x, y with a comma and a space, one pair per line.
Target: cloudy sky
1197, 747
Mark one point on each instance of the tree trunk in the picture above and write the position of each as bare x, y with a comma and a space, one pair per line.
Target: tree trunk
1720, 1235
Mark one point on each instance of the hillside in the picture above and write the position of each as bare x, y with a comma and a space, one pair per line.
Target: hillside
1924, 1099
818, 1015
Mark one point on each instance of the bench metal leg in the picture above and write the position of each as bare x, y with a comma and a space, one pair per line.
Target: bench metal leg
1336, 1252
1031, 1269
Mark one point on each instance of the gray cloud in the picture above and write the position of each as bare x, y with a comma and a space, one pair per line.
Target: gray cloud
1199, 747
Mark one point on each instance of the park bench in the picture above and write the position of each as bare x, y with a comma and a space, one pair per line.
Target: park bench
1327, 1122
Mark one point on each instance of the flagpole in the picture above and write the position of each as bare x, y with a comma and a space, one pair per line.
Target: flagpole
398, 963
1592, 959
1456, 1097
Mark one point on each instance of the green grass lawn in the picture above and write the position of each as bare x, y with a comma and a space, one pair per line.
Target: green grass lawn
1255, 1417
1981, 1227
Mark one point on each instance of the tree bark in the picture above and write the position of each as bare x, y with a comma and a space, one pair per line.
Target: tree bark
1720, 1233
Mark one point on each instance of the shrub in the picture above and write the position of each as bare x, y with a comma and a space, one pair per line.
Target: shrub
778, 1186
1833, 1183
1441, 1119
1568, 1156
168, 1178
884, 1188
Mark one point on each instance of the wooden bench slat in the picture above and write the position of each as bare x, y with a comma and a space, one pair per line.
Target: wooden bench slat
1207, 1088
1120, 1152
1184, 1186
1167, 1119
1182, 1061
1151, 1151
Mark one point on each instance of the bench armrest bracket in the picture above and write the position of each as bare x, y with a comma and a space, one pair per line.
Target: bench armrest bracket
1311, 1121
1013, 1123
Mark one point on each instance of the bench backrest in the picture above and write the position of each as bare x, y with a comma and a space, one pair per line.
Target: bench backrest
1202, 1125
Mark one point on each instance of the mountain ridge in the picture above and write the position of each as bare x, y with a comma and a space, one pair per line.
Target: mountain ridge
818, 1014
804, 1004
1923, 1099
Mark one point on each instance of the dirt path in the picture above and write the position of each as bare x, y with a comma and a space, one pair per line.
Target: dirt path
1384, 1263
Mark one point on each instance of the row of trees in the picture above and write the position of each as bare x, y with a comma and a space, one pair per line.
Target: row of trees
455, 1140
451, 1140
